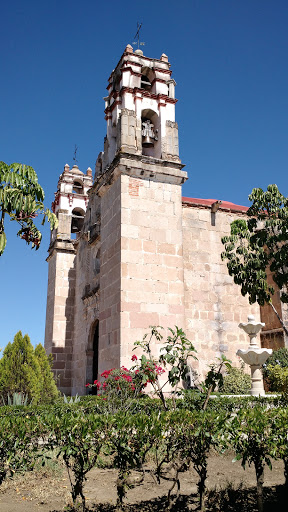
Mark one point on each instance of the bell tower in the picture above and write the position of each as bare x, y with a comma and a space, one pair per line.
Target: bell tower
138, 180
70, 205
140, 109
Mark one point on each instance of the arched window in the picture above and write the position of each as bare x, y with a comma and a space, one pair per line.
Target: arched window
146, 78
77, 220
77, 187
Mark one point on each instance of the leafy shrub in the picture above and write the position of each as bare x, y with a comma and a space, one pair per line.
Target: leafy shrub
278, 358
278, 378
235, 382
27, 371
251, 436
18, 444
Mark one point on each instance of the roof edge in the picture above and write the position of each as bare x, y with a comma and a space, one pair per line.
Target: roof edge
207, 203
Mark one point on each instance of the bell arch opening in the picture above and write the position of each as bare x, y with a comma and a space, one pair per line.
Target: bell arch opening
77, 221
150, 133
77, 187
147, 77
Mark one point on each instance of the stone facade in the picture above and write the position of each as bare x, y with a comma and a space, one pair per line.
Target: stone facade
130, 251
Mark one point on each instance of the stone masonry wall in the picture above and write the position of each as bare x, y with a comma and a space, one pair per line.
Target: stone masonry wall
60, 316
109, 318
152, 290
86, 314
214, 305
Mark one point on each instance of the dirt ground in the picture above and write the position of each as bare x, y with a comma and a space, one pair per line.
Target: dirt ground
230, 488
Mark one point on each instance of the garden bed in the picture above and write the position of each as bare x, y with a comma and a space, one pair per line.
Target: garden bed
229, 488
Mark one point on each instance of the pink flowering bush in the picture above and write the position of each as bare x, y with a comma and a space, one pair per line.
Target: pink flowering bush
117, 382
123, 383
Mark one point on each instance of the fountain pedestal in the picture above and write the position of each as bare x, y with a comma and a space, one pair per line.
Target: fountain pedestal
254, 355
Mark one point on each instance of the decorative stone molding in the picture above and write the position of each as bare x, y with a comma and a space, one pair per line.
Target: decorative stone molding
92, 298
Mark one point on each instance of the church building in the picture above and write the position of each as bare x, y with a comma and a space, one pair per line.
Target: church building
129, 251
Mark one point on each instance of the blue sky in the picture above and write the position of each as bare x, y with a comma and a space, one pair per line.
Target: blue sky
229, 59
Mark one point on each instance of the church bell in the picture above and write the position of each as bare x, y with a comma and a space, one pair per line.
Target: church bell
147, 142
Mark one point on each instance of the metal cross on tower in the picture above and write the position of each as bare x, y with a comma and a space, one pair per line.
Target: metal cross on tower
137, 36
75, 154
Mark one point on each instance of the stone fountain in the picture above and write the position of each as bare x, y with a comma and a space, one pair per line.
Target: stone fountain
254, 355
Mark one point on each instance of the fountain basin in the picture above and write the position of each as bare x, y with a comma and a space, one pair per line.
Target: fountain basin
256, 356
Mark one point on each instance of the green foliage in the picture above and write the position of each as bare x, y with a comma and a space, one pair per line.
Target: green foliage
175, 440
259, 244
23, 370
176, 351
278, 379
188, 439
278, 357
279, 435
175, 354
72, 400
21, 199
235, 382
17, 399
251, 436
49, 391
17, 444
78, 439
214, 377
130, 439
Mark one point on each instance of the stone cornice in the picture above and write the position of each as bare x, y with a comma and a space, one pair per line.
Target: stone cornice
140, 166
61, 245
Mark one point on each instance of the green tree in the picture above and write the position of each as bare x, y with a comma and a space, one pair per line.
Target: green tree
21, 199
251, 437
260, 245
49, 389
24, 370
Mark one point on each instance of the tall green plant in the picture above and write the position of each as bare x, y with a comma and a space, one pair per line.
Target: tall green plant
279, 439
188, 439
130, 439
23, 370
175, 352
251, 439
78, 438
19, 369
49, 391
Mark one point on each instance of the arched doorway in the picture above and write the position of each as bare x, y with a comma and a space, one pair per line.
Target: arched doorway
92, 354
95, 355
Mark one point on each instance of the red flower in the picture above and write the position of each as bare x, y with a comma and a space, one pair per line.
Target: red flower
97, 383
159, 370
107, 373
134, 357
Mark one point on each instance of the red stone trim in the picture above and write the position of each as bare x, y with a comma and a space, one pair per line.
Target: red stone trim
160, 80
207, 203
133, 63
131, 71
160, 70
